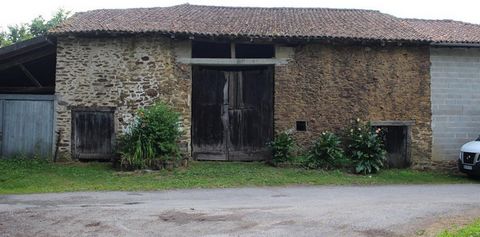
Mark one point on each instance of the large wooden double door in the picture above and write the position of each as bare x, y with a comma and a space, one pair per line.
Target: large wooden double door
232, 112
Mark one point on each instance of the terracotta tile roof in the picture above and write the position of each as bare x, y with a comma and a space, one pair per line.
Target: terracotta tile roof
446, 31
257, 22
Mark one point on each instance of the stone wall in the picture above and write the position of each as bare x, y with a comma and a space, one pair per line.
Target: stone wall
329, 85
455, 99
122, 72
325, 85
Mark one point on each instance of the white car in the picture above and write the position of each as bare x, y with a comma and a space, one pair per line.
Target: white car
469, 160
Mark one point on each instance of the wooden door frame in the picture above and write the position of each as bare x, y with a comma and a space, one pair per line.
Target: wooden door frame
76, 109
270, 67
407, 124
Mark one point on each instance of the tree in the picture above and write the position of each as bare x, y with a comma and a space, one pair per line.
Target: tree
37, 27
40, 26
3, 39
18, 33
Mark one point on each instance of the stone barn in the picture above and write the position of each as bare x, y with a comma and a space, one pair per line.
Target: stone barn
240, 75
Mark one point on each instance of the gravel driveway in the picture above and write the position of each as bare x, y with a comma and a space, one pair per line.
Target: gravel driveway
287, 211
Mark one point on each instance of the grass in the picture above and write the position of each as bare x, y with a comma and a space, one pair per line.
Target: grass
34, 176
472, 230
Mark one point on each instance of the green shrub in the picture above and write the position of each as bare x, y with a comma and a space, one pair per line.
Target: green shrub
151, 139
365, 148
283, 147
326, 153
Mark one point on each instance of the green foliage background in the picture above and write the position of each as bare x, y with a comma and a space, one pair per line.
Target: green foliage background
283, 148
37, 27
326, 153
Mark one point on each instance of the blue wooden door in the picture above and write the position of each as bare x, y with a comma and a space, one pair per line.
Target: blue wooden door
27, 126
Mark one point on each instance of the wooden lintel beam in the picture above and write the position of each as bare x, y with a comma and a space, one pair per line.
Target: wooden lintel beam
43, 90
30, 76
233, 61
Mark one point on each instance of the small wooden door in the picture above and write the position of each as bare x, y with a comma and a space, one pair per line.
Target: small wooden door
395, 139
93, 134
232, 112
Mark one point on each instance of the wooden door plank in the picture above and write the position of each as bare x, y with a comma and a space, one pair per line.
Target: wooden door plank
27, 127
93, 134
208, 133
244, 98
251, 120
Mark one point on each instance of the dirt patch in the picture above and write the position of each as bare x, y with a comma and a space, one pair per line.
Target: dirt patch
378, 233
431, 227
98, 205
182, 218
93, 224
267, 208
132, 203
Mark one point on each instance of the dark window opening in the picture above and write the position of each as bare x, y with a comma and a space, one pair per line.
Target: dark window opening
33, 77
301, 126
254, 51
210, 50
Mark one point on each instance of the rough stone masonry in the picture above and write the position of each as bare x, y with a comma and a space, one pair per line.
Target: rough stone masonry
122, 72
329, 85
326, 85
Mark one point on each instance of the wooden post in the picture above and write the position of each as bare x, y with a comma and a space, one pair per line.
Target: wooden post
30, 76
232, 50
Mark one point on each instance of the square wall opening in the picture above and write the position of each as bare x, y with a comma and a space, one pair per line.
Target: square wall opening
395, 137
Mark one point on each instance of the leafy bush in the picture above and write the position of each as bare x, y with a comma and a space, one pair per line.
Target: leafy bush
283, 147
365, 147
151, 139
326, 153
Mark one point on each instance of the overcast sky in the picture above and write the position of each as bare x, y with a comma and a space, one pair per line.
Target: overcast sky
19, 11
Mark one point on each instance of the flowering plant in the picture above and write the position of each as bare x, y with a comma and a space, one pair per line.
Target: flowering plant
365, 148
